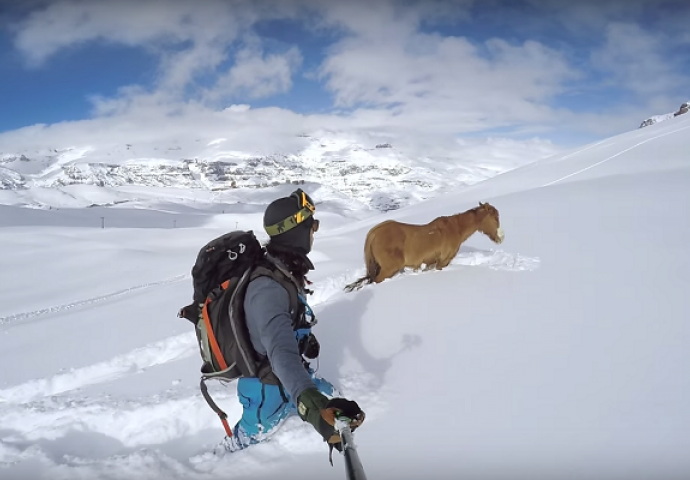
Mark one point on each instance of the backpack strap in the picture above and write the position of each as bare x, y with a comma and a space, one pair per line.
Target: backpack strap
221, 414
215, 348
284, 278
269, 268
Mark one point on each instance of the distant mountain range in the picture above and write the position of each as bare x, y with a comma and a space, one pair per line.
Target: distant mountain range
379, 176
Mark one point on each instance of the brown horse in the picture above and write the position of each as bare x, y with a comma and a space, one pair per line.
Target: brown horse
391, 246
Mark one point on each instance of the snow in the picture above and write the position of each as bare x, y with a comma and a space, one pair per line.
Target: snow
560, 353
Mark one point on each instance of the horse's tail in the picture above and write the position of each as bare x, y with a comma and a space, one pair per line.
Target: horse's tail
357, 284
372, 266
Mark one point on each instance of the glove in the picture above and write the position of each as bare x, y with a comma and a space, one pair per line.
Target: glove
309, 346
314, 407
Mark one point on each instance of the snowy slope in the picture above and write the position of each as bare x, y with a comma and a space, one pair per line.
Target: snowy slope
560, 354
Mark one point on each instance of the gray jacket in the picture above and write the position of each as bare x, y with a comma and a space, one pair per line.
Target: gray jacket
267, 310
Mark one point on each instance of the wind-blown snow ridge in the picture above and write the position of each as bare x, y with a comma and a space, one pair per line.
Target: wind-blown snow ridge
81, 303
167, 350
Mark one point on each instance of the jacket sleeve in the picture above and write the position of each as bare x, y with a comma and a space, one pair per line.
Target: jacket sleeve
267, 309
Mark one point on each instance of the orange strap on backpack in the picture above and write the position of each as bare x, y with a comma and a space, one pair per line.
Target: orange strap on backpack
216, 353
212, 337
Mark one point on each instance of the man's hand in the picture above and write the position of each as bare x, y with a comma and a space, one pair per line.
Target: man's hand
315, 408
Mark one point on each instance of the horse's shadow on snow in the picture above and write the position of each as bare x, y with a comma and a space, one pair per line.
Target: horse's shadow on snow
340, 334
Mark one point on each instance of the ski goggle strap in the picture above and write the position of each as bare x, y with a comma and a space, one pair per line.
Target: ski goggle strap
307, 209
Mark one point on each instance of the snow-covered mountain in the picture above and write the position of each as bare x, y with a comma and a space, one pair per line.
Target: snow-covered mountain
380, 176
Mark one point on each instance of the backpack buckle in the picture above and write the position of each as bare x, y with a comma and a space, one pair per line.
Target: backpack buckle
232, 255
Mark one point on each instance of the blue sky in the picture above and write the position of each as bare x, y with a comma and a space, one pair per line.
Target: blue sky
569, 73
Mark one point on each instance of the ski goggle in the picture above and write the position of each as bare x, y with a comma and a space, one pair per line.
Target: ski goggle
306, 210
303, 200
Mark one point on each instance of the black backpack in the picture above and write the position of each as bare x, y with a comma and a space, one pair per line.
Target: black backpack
220, 275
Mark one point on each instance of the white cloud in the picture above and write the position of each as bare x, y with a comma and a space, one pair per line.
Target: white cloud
154, 24
382, 20
635, 59
238, 107
256, 75
181, 68
448, 82
392, 79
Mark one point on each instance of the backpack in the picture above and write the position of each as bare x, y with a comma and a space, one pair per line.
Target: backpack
223, 269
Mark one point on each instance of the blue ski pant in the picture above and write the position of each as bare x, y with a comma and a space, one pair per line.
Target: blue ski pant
266, 406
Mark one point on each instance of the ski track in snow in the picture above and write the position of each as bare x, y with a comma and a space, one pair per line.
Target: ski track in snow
164, 351
153, 419
103, 437
87, 437
614, 156
81, 303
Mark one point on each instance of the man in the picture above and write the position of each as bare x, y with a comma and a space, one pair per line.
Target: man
275, 333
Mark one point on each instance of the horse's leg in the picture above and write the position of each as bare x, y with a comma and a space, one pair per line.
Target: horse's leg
385, 273
395, 263
443, 263
415, 268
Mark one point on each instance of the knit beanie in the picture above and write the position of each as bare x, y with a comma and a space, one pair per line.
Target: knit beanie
279, 212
